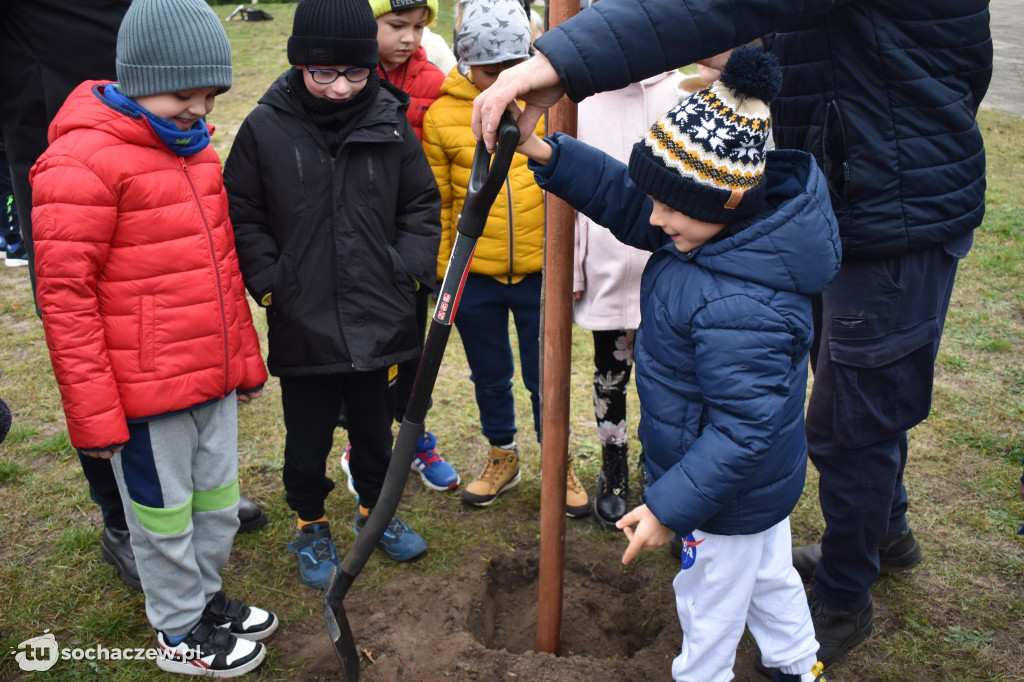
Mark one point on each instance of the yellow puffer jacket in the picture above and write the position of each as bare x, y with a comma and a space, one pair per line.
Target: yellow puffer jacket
512, 243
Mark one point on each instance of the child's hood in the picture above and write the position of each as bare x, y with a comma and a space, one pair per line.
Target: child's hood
793, 245
86, 108
458, 86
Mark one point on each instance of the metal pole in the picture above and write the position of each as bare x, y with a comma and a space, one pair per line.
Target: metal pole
556, 361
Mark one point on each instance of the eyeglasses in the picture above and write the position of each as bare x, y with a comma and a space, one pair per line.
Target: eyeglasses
326, 76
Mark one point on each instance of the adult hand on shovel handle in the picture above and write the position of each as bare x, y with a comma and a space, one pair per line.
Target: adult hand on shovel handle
535, 81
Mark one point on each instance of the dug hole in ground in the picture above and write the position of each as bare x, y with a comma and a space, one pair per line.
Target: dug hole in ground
480, 622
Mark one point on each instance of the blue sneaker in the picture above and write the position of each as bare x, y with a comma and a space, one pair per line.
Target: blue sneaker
399, 541
437, 474
17, 254
315, 549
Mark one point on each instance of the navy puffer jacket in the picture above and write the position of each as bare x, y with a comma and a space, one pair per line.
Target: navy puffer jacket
883, 93
721, 353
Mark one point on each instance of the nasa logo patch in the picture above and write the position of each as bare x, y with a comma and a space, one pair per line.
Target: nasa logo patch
689, 553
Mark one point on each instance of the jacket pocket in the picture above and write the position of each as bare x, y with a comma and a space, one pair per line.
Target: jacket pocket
883, 383
404, 282
835, 164
147, 328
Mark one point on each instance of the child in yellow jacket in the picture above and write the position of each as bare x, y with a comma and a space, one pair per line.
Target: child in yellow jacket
505, 274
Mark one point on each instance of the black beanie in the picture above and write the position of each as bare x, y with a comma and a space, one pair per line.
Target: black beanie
333, 33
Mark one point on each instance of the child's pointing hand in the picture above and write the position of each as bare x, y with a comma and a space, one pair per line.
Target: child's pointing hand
649, 533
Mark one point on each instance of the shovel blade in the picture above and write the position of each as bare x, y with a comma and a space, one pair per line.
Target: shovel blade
339, 632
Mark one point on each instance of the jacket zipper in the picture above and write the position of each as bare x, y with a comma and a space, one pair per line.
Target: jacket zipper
833, 106
511, 238
216, 269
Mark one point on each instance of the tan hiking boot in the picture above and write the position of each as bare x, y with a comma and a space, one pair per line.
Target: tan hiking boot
576, 503
500, 474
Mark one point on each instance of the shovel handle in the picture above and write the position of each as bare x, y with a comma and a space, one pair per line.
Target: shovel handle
486, 177
486, 180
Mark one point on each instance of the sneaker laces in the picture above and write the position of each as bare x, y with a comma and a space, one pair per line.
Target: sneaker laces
571, 482
429, 458
616, 471
322, 549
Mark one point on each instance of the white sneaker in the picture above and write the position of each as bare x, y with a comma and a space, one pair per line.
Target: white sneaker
209, 651
247, 622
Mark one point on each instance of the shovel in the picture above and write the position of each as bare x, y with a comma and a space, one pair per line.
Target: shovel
486, 179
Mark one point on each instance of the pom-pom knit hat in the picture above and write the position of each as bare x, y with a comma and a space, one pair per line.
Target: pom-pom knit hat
492, 32
705, 158
333, 33
380, 7
170, 46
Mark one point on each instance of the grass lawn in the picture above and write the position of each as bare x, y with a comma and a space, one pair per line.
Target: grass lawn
957, 617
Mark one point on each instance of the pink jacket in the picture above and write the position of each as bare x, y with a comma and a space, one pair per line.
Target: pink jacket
606, 271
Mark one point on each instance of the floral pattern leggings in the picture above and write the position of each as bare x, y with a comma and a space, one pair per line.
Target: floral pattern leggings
613, 363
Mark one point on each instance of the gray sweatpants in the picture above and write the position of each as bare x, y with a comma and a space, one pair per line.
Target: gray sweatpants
178, 479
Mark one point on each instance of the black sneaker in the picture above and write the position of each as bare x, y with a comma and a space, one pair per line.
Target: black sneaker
250, 515
247, 622
839, 631
898, 553
209, 651
805, 560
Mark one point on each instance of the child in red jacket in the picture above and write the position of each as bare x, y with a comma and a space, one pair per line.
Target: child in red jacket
403, 63
145, 315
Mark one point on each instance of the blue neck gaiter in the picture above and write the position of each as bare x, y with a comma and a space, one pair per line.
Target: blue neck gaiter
181, 142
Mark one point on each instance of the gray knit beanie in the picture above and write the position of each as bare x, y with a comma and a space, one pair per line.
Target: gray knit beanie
169, 46
492, 32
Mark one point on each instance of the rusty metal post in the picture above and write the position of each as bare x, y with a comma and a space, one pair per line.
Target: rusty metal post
556, 369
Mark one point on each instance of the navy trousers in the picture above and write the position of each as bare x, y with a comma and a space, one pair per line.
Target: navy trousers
881, 323
482, 321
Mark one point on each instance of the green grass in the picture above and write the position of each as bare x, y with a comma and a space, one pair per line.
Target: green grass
957, 617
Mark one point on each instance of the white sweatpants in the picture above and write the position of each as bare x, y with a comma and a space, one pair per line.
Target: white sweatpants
728, 581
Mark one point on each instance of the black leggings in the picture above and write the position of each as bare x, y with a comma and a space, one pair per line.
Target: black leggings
613, 363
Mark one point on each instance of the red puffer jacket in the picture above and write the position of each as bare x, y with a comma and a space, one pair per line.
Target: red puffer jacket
138, 283
419, 79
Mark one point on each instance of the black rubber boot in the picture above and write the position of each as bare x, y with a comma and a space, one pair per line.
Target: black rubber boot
641, 476
610, 498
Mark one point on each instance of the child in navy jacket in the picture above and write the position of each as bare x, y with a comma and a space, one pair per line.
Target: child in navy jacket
741, 239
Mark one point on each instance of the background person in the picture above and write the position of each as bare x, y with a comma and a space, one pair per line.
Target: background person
889, 141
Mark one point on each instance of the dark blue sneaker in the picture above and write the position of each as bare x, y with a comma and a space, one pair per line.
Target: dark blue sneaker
17, 254
315, 549
399, 541
437, 474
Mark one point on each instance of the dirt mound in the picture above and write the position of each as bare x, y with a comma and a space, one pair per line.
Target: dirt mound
479, 623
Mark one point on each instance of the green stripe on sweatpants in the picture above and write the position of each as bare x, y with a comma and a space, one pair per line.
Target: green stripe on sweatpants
216, 499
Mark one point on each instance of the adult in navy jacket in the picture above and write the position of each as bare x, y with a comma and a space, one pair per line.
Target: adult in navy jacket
884, 94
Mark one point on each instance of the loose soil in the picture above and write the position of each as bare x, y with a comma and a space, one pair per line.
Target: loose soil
479, 623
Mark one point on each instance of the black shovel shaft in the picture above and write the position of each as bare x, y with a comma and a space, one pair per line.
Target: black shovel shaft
486, 181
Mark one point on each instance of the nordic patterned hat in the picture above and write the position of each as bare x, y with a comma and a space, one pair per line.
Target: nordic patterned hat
705, 157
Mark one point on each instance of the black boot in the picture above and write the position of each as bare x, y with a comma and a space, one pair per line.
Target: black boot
116, 548
641, 476
250, 515
612, 486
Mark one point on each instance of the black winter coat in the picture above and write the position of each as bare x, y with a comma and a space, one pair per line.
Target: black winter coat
883, 93
339, 241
